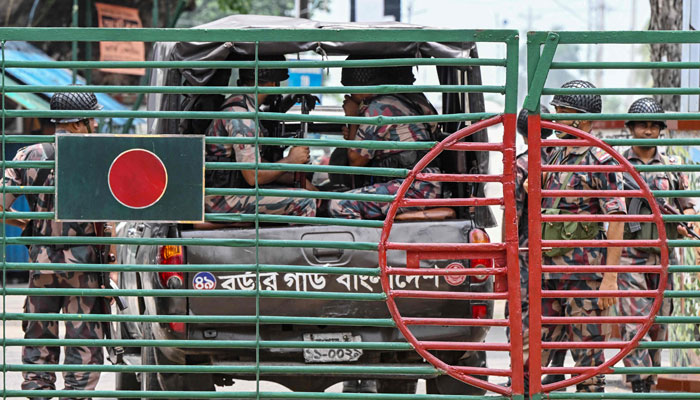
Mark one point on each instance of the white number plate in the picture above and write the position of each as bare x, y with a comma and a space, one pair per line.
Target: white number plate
331, 355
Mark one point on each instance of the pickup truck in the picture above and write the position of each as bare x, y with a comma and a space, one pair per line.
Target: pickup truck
277, 272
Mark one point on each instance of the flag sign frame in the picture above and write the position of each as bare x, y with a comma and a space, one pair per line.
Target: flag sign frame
112, 177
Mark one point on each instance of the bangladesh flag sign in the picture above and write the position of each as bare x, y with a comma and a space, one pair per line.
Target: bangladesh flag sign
130, 178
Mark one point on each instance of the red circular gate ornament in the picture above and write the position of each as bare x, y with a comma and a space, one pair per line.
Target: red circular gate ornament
137, 178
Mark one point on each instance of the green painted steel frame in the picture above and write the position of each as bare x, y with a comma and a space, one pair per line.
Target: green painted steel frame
76, 35
541, 47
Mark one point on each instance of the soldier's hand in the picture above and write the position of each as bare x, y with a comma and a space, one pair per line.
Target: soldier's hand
114, 276
309, 186
349, 131
298, 155
352, 109
609, 283
525, 186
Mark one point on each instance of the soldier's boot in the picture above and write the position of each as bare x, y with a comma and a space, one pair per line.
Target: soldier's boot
640, 387
648, 383
590, 388
557, 361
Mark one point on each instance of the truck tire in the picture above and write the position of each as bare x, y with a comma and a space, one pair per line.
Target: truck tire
402, 386
446, 384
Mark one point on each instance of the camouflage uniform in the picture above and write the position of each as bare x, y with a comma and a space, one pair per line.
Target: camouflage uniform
245, 153
58, 279
579, 307
639, 281
388, 105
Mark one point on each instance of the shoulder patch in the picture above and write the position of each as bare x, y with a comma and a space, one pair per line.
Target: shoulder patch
601, 155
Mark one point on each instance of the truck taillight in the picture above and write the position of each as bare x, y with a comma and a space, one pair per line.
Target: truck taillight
479, 311
479, 236
171, 255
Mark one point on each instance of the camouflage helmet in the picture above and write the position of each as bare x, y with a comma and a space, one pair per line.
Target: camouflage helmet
370, 76
587, 103
646, 105
522, 122
73, 101
265, 74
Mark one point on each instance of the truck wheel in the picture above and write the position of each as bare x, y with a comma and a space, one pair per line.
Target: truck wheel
126, 381
402, 386
446, 384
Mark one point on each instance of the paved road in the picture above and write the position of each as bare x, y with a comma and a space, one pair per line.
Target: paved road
12, 329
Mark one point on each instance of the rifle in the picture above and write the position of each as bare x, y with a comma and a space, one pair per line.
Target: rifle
105, 257
668, 209
630, 184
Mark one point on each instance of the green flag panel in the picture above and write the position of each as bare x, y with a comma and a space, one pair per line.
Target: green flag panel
129, 178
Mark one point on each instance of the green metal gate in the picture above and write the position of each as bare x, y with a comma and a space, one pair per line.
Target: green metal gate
143, 288
542, 49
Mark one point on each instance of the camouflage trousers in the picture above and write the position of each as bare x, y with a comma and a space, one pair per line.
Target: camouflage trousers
267, 205
74, 330
525, 312
641, 306
357, 209
574, 307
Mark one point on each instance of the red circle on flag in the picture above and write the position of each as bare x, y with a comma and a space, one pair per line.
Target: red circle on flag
137, 178
455, 280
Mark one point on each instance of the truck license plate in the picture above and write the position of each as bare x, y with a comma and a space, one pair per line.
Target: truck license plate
331, 355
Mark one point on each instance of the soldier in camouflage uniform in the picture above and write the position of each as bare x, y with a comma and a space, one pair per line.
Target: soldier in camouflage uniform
370, 105
628, 306
581, 307
245, 153
521, 172
59, 254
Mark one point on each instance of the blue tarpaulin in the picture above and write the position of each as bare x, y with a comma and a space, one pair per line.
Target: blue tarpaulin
23, 51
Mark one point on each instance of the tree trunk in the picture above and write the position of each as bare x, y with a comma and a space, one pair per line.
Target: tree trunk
666, 15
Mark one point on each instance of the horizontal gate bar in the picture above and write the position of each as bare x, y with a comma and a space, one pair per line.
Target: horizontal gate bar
598, 293
596, 217
621, 395
379, 89
222, 319
458, 178
592, 193
93, 240
451, 202
392, 172
622, 91
380, 120
429, 294
263, 369
444, 271
624, 65
191, 343
656, 269
363, 271
287, 294
309, 194
669, 116
455, 321
84, 34
291, 219
392, 62
465, 346
475, 146
245, 395
625, 319
583, 168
